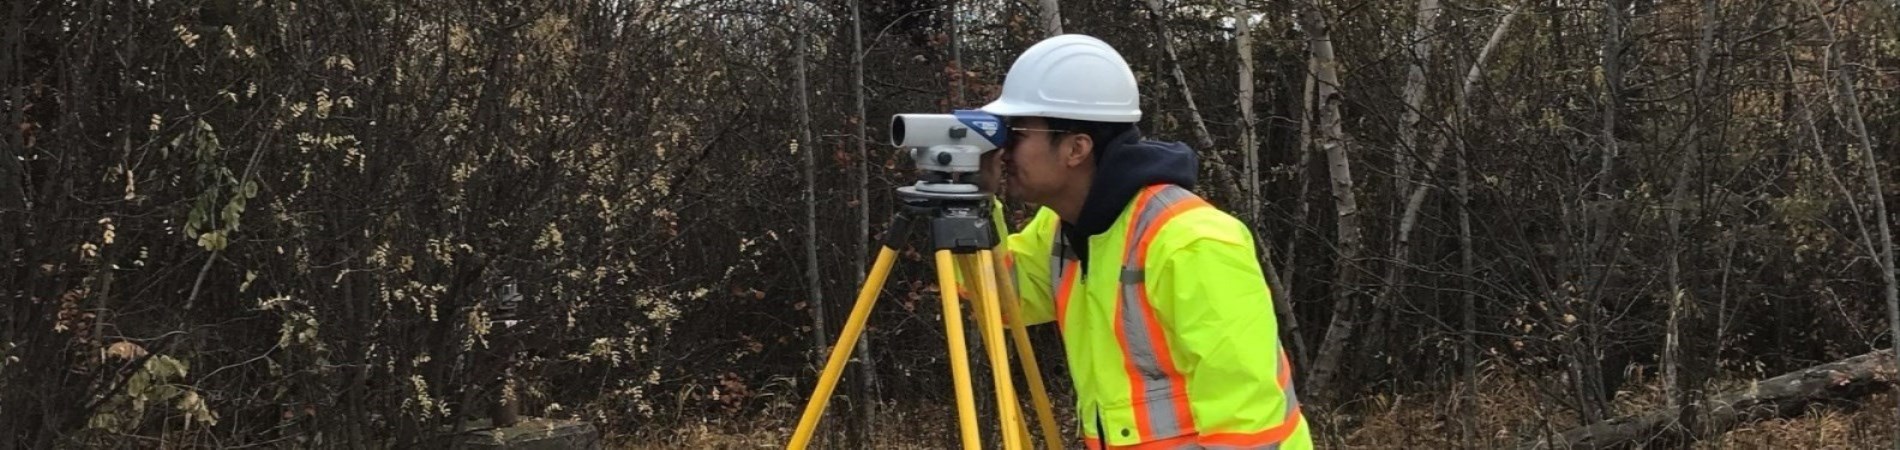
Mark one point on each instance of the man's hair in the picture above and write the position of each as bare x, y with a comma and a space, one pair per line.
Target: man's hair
1100, 132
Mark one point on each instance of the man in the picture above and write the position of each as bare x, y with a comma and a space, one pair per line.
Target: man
1162, 307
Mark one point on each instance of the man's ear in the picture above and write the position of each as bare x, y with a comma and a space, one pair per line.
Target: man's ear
1080, 149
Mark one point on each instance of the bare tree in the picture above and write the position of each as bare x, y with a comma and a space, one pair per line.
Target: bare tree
1879, 241
1276, 285
1468, 301
1302, 170
1051, 17
1426, 18
1228, 185
1332, 139
1679, 390
1613, 93
1403, 157
867, 367
1468, 309
12, 193
805, 147
1243, 43
1414, 199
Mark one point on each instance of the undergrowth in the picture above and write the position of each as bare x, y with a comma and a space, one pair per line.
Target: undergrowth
1509, 409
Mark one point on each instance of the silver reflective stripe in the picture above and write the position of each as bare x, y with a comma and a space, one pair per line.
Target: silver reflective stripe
1292, 402
1161, 414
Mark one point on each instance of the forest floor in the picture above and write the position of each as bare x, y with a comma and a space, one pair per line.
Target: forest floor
1507, 413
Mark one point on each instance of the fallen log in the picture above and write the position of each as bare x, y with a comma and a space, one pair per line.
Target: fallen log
1787, 395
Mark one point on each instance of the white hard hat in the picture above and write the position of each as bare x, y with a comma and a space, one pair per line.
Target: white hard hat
1071, 76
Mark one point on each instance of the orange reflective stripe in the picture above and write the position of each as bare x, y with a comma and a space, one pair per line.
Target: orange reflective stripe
1182, 408
1141, 249
1148, 359
1062, 293
1130, 360
1059, 261
1287, 390
1270, 436
1184, 416
1286, 372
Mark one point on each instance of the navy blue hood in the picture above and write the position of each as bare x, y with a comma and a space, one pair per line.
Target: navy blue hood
1126, 165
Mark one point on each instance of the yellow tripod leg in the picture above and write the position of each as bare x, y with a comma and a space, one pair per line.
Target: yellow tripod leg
959, 356
999, 358
991, 328
841, 351
1038, 394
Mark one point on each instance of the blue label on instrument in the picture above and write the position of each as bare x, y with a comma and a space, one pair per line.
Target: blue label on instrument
987, 125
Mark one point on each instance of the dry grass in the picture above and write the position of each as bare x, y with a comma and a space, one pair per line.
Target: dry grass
1870, 426
1509, 409
898, 428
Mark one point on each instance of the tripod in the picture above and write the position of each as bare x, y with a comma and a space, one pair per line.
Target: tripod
963, 237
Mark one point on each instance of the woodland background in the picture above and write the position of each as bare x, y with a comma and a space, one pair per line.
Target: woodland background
283, 223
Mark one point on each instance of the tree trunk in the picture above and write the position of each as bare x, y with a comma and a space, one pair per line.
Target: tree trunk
1467, 259
816, 303
1680, 390
1592, 224
1466, 256
1227, 184
1787, 395
1243, 42
1613, 93
867, 367
1469, 401
1051, 18
1881, 249
1305, 159
1413, 93
1332, 140
957, 85
1282, 298
12, 174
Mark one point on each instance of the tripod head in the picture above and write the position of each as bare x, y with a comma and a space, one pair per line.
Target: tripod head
948, 149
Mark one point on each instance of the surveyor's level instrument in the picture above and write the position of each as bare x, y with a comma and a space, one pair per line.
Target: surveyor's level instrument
962, 237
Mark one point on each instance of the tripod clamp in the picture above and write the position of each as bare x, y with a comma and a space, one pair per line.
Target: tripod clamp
959, 222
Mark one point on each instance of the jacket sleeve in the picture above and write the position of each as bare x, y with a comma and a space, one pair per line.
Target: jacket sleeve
1217, 315
1028, 259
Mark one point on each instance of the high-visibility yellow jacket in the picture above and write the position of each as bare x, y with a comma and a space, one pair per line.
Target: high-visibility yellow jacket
1170, 334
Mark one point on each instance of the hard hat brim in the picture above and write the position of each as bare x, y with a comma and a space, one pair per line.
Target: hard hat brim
1007, 109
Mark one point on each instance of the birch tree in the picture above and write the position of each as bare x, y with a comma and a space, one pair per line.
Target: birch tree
1332, 140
